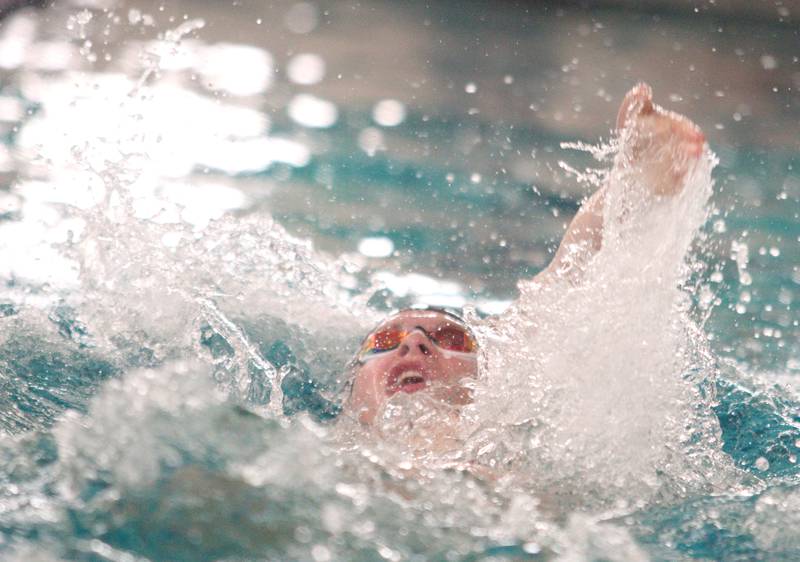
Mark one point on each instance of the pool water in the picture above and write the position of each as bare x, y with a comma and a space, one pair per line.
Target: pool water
203, 209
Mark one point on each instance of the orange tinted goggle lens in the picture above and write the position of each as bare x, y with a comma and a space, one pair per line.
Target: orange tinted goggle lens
451, 338
385, 340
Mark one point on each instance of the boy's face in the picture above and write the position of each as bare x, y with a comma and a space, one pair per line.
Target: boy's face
413, 351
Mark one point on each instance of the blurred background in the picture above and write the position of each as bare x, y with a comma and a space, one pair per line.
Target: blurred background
422, 141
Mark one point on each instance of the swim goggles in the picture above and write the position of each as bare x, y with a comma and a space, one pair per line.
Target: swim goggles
448, 336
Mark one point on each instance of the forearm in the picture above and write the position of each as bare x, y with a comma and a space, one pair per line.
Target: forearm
582, 240
658, 149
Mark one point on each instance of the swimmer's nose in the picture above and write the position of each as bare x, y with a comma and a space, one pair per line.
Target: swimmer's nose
415, 342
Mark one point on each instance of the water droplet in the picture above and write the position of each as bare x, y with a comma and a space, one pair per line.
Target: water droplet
371, 141
768, 62
389, 113
311, 111
376, 247
320, 553
306, 69
531, 548
83, 17
471, 88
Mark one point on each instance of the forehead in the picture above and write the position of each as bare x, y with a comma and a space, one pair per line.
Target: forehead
420, 318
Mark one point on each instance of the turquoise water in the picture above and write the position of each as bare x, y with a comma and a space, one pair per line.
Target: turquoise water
184, 237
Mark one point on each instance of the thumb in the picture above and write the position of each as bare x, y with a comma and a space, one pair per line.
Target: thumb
638, 101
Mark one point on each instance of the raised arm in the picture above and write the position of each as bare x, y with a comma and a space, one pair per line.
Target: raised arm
658, 145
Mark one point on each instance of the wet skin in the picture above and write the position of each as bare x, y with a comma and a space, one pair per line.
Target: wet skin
659, 146
416, 364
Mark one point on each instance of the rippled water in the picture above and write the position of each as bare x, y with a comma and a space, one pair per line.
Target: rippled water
196, 230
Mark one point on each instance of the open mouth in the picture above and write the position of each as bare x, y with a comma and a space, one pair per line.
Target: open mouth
408, 381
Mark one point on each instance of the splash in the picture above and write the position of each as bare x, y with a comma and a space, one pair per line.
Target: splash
152, 263
164, 49
164, 449
608, 379
597, 395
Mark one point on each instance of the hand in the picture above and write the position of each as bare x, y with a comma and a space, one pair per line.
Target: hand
660, 145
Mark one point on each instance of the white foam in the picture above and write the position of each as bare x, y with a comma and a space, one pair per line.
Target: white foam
596, 369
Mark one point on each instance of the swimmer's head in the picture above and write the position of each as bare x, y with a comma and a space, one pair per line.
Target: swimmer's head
429, 350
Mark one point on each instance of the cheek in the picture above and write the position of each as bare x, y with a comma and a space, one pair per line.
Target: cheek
369, 390
453, 371
364, 388
460, 367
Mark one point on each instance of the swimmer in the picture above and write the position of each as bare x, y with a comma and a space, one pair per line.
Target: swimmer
435, 351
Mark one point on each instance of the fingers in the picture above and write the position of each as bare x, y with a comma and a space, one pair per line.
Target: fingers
689, 133
662, 145
638, 101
